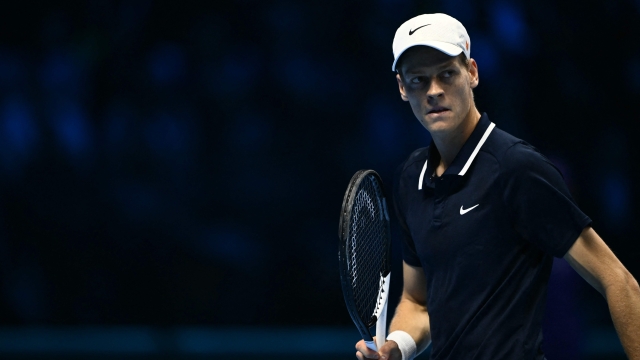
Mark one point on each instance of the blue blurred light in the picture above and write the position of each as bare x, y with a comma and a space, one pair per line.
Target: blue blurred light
72, 129
238, 72
398, 3
19, 129
486, 55
383, 130
140, 202
463, 10
615, 198
509, 25
60, 72
86, 341
303, 76
124, 342
119, 120
383, 125
167, 64
250, 131
166, 135
285, 17
302, 341
230, 244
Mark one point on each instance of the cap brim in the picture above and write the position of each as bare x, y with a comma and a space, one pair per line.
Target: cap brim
447, 48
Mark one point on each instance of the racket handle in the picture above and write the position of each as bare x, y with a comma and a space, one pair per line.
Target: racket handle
381, 326
371, 345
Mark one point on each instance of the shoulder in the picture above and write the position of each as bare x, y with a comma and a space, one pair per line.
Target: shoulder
417, 158
499, 143
409, 170
518, 158
514, 154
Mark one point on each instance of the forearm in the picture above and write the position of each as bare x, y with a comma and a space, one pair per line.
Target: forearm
624, 305
413, 319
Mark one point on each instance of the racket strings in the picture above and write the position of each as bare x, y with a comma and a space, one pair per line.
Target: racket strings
367, 246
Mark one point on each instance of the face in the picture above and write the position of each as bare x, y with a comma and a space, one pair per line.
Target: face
438, 87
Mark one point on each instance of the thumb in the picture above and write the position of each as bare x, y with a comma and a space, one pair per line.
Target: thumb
390, 351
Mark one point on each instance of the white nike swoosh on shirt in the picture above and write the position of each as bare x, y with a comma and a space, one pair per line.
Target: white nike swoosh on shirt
464, 211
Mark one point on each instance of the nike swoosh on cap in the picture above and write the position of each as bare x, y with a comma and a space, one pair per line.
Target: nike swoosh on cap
464, 211
414, 30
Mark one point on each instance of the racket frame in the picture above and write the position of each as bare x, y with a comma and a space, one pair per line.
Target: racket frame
379, 316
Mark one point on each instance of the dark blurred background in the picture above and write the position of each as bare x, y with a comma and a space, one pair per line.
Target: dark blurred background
171, 173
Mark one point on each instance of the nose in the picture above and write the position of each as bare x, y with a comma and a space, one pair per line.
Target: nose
434, 91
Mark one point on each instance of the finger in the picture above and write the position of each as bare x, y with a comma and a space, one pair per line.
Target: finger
362, 356
365, 351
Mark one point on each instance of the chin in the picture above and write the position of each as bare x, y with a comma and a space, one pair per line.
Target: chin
436, 126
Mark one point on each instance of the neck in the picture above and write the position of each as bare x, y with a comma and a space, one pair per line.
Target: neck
450, 143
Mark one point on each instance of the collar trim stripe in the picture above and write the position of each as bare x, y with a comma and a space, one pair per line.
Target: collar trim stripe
475, 151
424, 168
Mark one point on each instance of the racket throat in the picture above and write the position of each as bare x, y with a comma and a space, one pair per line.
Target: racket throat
381, 310
383, 295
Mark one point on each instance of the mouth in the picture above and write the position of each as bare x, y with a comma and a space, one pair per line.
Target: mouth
437, 110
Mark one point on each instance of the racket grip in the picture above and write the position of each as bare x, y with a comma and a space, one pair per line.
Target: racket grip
371, 345
381, 327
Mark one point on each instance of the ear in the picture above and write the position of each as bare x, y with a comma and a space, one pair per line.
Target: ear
473, 73
403, 92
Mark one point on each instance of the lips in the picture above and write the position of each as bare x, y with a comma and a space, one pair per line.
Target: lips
437, 110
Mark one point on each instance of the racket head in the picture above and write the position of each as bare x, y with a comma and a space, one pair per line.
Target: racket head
365, 250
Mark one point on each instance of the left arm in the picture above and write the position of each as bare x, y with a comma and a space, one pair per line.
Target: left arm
597, 264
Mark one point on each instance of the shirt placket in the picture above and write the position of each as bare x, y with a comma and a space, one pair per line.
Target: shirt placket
439, 201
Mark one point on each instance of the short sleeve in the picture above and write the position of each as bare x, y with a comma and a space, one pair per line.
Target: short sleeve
409, 254
538, 200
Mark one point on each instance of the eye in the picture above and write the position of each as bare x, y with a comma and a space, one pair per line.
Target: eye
447, 73
416, 80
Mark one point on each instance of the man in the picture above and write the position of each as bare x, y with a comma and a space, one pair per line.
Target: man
483, 213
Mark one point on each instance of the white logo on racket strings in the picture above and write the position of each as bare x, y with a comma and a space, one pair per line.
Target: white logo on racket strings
464, 211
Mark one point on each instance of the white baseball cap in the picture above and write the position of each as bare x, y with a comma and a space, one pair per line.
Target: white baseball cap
439, 31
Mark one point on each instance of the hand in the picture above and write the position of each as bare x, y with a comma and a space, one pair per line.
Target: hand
388, 351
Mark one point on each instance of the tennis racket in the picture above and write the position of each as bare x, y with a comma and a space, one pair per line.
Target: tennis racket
365, 255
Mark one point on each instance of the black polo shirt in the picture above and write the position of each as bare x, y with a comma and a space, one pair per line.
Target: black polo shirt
485, 233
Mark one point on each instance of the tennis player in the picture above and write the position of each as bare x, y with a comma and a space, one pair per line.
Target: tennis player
483, 214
